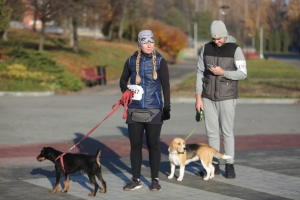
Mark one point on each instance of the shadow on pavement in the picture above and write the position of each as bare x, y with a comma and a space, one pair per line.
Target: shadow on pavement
49, 174
90, 146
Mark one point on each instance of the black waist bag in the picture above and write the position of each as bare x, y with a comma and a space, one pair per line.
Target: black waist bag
142, 115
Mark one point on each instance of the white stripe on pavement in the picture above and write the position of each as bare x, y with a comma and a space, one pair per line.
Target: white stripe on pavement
262, 181
80, 186
247, 177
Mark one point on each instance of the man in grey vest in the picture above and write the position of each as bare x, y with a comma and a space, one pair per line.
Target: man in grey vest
221, 64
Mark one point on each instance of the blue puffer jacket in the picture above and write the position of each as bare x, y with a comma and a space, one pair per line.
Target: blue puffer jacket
152, 97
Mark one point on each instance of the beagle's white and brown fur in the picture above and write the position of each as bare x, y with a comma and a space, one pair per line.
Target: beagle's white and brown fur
181, 154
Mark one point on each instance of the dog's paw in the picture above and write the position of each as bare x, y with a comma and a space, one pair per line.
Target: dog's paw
206, 178
170, 177
52, 191
103, 191
179, 179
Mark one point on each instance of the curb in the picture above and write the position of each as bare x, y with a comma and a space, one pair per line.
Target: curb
268, 101
173, 100
27, 94
246, 101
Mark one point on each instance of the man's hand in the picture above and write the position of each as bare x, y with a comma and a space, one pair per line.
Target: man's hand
217, 70
199, 104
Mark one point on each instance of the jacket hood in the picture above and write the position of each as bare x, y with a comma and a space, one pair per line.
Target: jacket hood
230, 39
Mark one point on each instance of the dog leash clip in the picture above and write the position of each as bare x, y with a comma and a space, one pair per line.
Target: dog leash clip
71, 148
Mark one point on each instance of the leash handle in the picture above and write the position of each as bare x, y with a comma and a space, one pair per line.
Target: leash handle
126, 100
199, 116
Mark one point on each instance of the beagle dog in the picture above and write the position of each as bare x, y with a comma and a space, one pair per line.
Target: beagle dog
181, 154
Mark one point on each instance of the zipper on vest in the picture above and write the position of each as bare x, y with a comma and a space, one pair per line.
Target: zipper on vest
218, 53
143, 81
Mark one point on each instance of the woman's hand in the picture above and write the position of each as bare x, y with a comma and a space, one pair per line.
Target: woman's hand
166, 114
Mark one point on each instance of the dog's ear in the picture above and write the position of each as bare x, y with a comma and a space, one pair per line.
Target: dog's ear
47, 151
43, 150
171, 147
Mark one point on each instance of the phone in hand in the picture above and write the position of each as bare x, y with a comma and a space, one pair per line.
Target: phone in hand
210, 65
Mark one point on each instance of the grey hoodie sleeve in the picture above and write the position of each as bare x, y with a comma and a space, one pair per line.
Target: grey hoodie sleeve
240, 64
200, 71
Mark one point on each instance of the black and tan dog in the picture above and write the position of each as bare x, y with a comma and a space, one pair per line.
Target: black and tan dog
182, 154
72, 163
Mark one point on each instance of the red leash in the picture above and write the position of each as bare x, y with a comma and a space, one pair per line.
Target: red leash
125, 101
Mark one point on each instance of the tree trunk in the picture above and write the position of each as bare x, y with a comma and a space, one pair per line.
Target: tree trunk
110, 31
75, 36
65, 26
42, 38
121, 27
34, 20
187, 13
133, 31
71, 31
4, 35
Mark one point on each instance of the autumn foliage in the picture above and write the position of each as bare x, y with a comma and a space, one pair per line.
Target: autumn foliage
168, 38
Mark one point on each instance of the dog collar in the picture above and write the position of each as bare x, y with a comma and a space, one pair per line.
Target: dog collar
176, 153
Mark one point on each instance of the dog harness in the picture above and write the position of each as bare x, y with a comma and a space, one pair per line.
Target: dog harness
61, 161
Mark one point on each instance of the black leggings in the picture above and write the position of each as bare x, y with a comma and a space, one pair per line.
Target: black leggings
136, 132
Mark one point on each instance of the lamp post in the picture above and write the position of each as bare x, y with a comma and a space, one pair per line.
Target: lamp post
261, 53
222, 10
96, 26
195, 40
242, 22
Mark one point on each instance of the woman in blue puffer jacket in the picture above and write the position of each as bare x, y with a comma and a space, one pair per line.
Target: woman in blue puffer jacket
146, 73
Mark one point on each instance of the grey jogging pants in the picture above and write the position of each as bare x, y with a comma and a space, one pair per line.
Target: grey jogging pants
219, 120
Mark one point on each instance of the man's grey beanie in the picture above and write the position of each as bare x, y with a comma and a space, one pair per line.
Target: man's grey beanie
218, 29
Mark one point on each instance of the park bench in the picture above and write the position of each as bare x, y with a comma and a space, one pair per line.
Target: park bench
91, 78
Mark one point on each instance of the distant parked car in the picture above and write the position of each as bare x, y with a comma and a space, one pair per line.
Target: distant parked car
16, 24
54, 29
293, 49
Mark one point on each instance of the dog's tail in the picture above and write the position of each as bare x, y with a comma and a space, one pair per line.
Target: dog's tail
223, 156
98, 157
